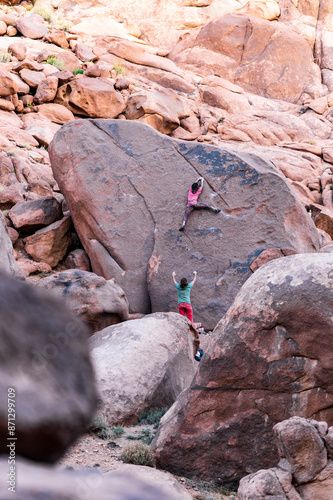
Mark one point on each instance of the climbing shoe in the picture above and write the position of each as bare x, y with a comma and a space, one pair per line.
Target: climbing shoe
217, 210
199, 354
182, 228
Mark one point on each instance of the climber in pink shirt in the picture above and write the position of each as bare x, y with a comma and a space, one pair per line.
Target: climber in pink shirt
192, 201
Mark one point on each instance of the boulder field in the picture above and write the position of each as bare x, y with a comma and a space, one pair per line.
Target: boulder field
263, 367
126, 187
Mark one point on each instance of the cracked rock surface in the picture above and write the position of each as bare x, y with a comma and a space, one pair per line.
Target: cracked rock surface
126, 186
271, 360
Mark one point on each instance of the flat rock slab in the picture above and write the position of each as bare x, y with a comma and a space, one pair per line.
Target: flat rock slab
126, 186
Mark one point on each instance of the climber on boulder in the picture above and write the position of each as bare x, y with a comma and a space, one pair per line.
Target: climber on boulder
192, 201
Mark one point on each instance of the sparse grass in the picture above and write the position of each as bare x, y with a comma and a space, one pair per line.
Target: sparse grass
104, 431
145, 436
45, 13
138, 454
5, 212
4, 56
60, 65
78, 71
62, 24
119, 69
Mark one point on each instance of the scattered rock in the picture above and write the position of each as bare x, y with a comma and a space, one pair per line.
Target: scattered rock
32, 215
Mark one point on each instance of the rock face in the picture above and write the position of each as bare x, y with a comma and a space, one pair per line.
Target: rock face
245, 53
264, 367
45, 359
7, 260
305, 470
37, 481
127, 200
141, 364
97, 301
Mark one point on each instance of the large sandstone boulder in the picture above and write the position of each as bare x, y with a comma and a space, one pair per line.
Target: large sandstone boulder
91, 97
45, 360
32, 26
272, 359
35, 214
265, 58
97, 301
127, 200
142, 364
32, 481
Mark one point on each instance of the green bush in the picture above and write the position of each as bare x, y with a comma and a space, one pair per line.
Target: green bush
138, 454
78, 71
60, 65
103, 431
152, 417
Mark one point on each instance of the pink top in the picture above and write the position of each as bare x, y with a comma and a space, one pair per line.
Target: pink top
192, 198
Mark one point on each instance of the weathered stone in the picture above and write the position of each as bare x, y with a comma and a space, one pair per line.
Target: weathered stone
263, 368
57, 37
84, 53
244, 56
97, 301
300, 443
18, 49
165, 481
49, 370
51, 243
166, 104
46, 90
244, 186
71, 62
11, 195
78, 259
29, 266
270, 254
91, 97
31, 26
7, 261
39, 481
32, 78
32, 215
56, 113
7, 83
131, 378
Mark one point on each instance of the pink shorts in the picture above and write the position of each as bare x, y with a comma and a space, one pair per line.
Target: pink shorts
186, 310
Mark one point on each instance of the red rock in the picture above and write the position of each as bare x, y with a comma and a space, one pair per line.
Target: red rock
93, 72
7, 83
32, 215
262, 368
71, 62
46, 90
32, 78
244, 56
56, 113
11, 31
78, 259
91, 97
31, 26
97, 301
51, 243
58, 37
13, 234
6, 105
11, 195
134, 150
18, 50
40, 187
29, 266
162, 109
267, 255
84, 53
